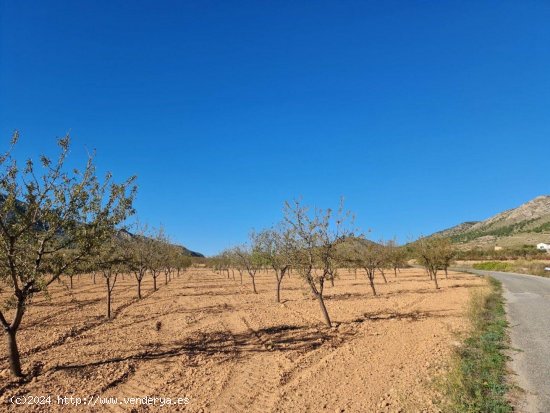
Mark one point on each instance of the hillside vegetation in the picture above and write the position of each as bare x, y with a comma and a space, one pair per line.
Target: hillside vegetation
519, 266
527, 224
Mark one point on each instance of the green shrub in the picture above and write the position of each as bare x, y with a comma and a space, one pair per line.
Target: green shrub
493, 266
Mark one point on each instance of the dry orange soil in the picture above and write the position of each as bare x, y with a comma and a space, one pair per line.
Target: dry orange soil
206, 337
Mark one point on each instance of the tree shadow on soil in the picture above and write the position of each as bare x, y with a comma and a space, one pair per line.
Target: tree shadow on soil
282, 338
345, 296
207, 294
410, 316
202, 311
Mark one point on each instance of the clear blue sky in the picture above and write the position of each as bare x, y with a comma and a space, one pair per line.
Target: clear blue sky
422, 114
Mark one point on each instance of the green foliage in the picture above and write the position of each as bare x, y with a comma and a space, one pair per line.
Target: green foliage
498, 232
493, 266
519, 266
314, 238
542, 228
526, 252
52, 219
476, 382
275, 248
433, 254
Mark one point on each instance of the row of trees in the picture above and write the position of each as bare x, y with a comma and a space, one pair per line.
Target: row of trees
57, 221
316, 244
137, 254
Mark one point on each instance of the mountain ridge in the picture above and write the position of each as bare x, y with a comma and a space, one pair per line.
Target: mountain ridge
186, 251
527, 224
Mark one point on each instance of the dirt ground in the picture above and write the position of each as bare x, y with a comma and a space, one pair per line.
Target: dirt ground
206, 337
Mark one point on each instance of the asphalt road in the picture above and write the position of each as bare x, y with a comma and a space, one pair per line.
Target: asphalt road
528, 310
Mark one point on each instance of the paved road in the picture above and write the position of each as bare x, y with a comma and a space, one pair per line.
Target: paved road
528, 310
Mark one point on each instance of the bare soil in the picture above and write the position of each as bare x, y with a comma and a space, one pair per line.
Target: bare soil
206, 337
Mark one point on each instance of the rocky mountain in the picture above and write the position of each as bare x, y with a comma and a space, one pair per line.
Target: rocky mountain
527, 224
456, 230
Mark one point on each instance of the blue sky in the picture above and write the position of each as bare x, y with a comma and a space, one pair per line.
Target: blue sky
421, 114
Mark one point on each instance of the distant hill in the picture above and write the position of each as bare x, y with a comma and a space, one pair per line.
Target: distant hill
527, 224
21, 207
191, 253
127, 234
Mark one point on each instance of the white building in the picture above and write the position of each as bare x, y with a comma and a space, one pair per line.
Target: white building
543, 246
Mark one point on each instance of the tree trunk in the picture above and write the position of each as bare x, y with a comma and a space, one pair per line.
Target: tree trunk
395, 271
139, 288
332, 281
254, 284
71, 281
435, 280
13, 352
279, 289
108, 299
383, 276
446, 273
371, 281
355, 272
154, 283
324, 309
93, 277
241, 274
165, 278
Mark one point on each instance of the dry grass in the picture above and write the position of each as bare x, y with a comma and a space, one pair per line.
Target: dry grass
476, 381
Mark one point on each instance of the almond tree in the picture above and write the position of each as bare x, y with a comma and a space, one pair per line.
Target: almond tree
112, 260
182, 263
140, 251
169, 257
235, 262
155, 263
156, 256
396, 256
430, 253
51, 219
314, 238
229, 260
71, 272
224, 263
346, 251
368, 256
275, 247
250, 260
448, 254
383, 262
